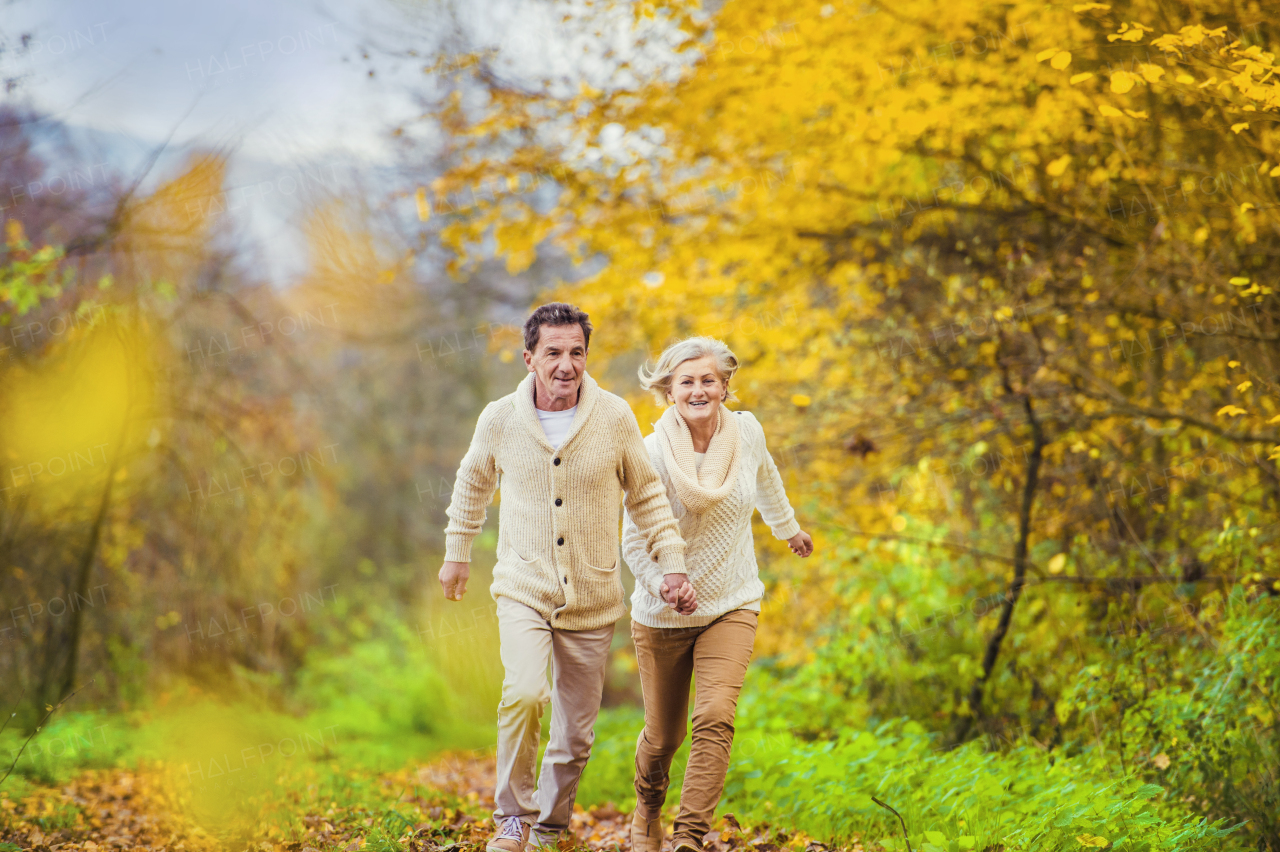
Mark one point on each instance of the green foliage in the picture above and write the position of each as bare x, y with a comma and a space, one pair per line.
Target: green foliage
26, 276
1018, 798
376, 705
386, 700
68, 744
1024, 798
611, 770
1197, 714
1163, 737
374, 691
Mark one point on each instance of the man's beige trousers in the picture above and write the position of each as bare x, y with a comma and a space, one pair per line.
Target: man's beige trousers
716, 658
578, 659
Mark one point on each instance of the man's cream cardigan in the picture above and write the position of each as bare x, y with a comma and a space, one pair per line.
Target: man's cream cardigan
559, 518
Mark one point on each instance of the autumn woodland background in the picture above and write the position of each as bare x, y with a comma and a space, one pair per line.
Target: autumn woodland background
1002, 277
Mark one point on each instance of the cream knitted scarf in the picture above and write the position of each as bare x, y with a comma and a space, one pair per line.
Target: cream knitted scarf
700, 489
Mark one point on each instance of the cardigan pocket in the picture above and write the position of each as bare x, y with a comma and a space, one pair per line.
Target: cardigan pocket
532, 566
528, 563
610, 570
505, 548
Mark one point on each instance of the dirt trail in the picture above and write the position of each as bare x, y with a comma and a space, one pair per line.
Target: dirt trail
444, 807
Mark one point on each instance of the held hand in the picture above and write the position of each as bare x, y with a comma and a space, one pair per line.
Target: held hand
679, 594
801, 544
453, 579
688, 600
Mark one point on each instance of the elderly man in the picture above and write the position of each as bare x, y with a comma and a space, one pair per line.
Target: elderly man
564, 451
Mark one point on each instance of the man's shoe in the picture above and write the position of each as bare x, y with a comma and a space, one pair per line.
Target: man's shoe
646, 834
687, 846
512, 836
544, 839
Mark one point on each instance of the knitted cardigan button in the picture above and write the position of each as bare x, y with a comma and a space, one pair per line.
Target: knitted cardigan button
557, 461
560, 540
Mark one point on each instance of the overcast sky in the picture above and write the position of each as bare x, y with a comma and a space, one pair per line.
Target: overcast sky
283, 85
283, 78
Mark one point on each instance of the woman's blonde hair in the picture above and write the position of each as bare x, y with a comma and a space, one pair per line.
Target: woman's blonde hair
658, 379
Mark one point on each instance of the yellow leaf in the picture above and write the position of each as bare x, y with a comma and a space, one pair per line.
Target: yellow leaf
1151, 73
800, 399
1231, 411
1274, 172
1109, 111
1236, 128
1275, 419
1239, 280
1136, 113
1121, 82
13, 232
1233, 364
1134, 34
1057, 563
1058, 166
1185, 79
1045, 54
424, 206
1080, 78
1244, 386
1061, 60
1088, 7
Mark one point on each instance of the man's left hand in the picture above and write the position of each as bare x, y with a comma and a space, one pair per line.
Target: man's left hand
679, 594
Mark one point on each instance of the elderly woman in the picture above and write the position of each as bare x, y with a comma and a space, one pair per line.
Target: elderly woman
717, 471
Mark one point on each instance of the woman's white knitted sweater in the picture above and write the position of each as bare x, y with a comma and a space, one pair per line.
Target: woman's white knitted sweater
720, 554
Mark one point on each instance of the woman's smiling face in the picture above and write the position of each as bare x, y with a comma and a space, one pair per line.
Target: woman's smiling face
697, 390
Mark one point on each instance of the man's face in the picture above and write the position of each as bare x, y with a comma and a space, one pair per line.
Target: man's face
558, 363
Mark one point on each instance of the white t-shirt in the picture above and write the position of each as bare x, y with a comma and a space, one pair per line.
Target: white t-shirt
556, 424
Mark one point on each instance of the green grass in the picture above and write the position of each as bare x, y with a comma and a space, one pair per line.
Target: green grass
1023, 798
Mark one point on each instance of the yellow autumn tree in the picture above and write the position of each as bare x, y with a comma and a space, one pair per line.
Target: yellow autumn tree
994, 270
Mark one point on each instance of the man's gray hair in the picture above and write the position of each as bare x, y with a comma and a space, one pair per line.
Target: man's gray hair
658, 379
554, 314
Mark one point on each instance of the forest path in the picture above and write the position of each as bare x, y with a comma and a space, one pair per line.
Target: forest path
444, 805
